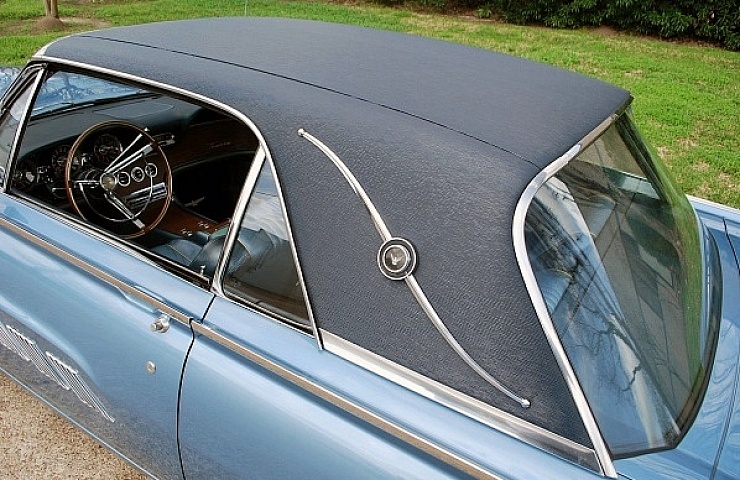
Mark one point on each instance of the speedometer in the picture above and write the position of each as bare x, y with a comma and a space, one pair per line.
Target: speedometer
58, 159
107, 147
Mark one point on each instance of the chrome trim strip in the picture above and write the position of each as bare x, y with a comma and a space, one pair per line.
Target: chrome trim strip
426, 305
380, 225
42, 57
520, 249
241, 208
294, 251
348, 406
411, 282
479, 411
717, 206
95, 271
89, 229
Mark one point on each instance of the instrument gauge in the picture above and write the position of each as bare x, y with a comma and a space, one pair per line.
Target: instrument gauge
107, 147
58, 159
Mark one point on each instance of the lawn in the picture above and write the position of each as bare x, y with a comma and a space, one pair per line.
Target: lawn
687, 96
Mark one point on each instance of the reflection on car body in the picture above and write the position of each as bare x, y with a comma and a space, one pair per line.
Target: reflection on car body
319, 264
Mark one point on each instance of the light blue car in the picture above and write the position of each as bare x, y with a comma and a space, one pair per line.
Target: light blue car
282, 249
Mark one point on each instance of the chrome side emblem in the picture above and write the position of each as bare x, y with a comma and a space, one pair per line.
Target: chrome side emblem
78, 386
31, 352
7, 341
46, 363
397, 258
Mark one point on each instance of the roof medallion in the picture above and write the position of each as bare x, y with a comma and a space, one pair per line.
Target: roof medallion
397, 261
397, 258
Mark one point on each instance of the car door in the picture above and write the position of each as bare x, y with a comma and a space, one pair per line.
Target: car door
251, 403
92, 327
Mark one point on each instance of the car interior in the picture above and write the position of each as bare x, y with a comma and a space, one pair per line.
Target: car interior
163, 173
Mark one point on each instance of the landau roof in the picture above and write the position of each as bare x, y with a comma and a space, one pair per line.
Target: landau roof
443, 138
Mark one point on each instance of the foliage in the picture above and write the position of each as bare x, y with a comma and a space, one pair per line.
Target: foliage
686, 95
714, 20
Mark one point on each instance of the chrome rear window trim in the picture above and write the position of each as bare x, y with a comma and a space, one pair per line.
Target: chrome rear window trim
520, 248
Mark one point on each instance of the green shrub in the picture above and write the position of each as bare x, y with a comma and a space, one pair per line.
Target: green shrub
713, 20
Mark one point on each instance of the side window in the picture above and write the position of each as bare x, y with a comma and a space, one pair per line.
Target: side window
162, 172
261, 268
9, 123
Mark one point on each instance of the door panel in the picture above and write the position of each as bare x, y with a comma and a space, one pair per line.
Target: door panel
240, 420
77, 323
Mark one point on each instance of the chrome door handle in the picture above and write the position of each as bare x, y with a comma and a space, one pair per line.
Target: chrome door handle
161, 324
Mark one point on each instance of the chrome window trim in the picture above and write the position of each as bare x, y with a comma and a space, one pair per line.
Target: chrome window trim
260, 159
34, 87
520, 248
41, 56
122, 286
241, 208
479, 411
99, 234
441, 453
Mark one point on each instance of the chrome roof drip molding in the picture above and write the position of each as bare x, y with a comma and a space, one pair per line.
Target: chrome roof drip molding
520, 249
410, 280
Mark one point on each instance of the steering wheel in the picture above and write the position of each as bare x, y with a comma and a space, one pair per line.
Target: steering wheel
124, 184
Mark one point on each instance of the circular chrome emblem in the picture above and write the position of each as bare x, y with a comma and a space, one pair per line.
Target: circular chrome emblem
108, 182
397, 258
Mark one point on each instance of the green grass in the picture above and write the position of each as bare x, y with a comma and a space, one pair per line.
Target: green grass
687, 96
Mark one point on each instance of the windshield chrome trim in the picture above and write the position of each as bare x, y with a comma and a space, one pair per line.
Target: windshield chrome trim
410, 279
605, 461
41, 56
340, 401
477, 410
33, 85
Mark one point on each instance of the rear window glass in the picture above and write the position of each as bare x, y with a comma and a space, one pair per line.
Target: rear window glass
617, 256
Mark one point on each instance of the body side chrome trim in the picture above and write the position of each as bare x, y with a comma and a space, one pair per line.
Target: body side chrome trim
470, 407
725, 209
520, 249
95, 271
347, 405
42, 57
410, 279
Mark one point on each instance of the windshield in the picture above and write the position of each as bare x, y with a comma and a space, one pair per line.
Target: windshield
617, 255
64, 90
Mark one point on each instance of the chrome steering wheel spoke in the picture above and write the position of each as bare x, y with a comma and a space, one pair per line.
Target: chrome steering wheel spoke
119, 196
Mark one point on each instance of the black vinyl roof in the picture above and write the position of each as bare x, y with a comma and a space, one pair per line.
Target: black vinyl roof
444, 139
534, 111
